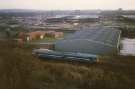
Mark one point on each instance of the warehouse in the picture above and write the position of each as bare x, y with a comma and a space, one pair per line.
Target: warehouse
84, 18
74, 18
57, 18
99, 41
129, 16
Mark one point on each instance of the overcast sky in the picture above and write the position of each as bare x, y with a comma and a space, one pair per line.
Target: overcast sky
66, 4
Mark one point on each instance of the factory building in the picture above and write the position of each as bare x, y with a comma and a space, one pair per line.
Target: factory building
74, 19
84, 18
99, 41
129, 16
57, 19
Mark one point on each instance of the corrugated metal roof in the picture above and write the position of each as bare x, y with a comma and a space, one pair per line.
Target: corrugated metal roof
98, 35
95, 40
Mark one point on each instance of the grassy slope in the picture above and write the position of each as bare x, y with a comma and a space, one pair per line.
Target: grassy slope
116, 73
27, 72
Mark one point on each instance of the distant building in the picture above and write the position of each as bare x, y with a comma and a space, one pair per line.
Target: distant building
40, 35
56, 19
73, 18
84, 18
35, 35
99, 41
131, 17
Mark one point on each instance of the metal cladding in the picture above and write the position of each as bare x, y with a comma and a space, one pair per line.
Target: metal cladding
99, 41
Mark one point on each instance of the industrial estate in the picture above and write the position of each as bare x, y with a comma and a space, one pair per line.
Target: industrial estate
91, 32
100, 42
87, 34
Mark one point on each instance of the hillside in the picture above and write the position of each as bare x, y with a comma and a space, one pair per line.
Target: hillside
19, 69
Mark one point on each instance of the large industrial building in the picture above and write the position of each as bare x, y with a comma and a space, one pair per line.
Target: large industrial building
74, 19
84, 18
99, 41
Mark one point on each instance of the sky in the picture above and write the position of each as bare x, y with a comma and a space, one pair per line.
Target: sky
67, 4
